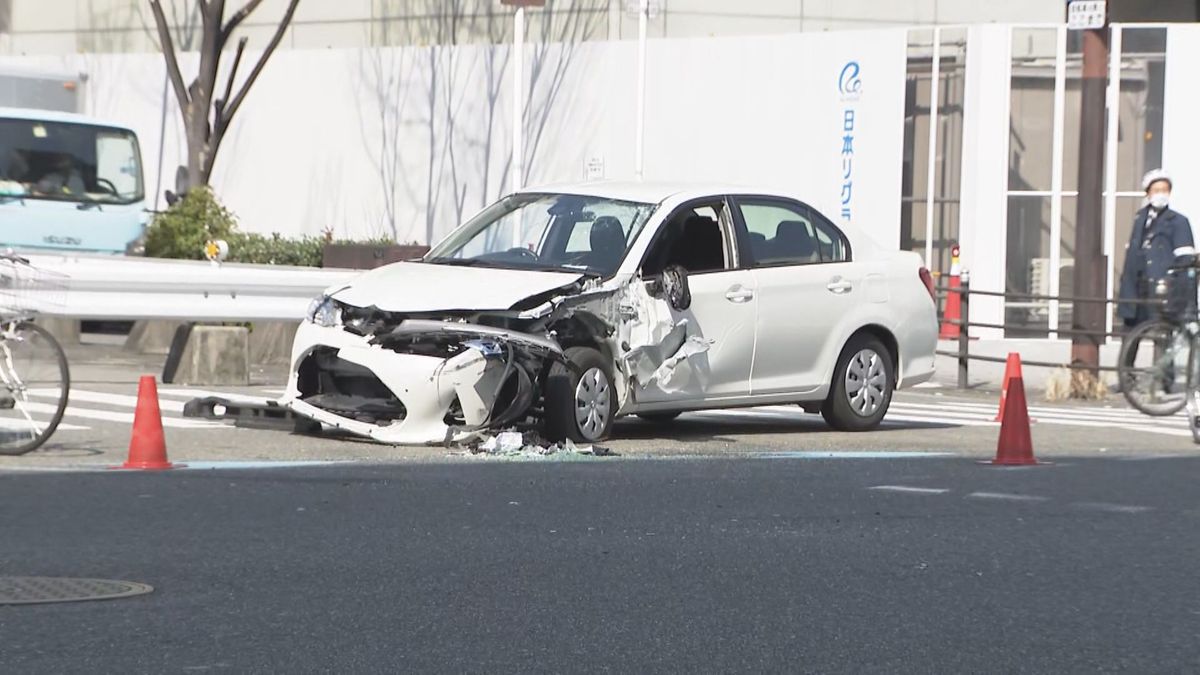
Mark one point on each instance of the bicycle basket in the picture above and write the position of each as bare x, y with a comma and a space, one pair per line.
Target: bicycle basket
26, 291
1180, 303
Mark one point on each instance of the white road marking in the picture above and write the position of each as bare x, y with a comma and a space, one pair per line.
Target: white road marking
1077, 417
125, 418
913, 490
1008, 496
950, 421
967, 414
189, 394
120, 400
13, 424
1112, 508
849, 454
263, 464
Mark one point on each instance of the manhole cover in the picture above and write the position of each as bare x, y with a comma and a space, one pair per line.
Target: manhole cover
36, 590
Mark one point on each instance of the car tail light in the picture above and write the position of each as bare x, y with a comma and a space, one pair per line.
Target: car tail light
927, 279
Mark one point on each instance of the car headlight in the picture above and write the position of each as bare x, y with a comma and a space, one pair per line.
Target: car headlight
324, 311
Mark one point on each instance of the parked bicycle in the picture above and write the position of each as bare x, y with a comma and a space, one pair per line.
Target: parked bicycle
1159, 366
35, 381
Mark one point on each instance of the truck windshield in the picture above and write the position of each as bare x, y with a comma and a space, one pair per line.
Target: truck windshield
69, 162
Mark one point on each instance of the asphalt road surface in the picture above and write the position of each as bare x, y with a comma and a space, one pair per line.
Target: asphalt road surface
607, 564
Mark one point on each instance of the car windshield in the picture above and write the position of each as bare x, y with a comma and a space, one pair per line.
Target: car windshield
547, 232
69, 162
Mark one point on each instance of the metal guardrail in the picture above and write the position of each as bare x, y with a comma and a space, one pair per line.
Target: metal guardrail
115, 287
963, 355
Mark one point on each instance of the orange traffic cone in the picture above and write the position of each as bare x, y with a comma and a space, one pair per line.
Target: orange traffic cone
950, 330
1012, 368
147, 446
1015, 447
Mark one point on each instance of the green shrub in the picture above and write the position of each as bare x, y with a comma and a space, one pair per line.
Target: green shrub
251, 247
181, 231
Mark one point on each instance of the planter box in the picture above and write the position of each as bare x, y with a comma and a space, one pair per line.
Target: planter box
367, 256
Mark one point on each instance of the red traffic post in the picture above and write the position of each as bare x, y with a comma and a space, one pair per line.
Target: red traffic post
949, 329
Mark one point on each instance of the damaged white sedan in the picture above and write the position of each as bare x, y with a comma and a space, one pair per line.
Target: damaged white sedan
566, 309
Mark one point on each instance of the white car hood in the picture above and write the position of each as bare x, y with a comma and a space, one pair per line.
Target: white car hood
423, 287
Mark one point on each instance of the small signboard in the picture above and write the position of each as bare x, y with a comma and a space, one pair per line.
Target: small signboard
635, 7
1086, 14
524, 3
593, 169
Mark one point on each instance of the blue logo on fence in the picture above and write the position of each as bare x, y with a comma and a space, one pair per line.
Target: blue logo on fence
849, 83
850, 86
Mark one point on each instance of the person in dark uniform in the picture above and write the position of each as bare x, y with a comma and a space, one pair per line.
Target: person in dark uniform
1159, 236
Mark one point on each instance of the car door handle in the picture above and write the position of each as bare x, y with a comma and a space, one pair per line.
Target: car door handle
739, 294
839, 285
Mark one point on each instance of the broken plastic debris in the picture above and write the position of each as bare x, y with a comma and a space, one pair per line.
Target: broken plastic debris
509, 441
516, 444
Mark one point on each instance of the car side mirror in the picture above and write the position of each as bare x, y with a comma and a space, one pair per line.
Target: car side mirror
671, 285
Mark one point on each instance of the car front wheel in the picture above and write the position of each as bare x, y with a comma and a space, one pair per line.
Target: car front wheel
862, 386
580, 400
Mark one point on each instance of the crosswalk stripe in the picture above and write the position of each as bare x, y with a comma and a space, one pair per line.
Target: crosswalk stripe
991, 407
189, 394
120, 400
14, 424
123, 417
933, 419
1075, 416
965, 413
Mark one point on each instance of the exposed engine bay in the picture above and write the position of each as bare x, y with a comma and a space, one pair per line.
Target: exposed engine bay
452, 376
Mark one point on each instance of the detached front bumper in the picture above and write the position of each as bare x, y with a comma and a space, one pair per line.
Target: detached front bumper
342, 380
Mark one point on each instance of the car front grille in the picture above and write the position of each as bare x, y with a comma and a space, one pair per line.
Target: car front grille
346, 389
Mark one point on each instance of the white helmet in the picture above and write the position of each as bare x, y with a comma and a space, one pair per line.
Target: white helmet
1154, 176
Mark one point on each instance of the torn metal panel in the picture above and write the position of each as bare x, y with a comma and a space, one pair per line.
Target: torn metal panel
669, 375
409, 328
655, 344
404, 379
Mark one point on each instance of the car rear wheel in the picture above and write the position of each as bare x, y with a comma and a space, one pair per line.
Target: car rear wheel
580, 400
862, 387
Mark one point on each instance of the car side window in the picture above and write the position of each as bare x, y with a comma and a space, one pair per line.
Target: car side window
782, 233
830, 240
694, 237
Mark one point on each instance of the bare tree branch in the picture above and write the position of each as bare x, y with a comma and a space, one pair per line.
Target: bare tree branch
237, 60
238, 17
232, 109
168, 50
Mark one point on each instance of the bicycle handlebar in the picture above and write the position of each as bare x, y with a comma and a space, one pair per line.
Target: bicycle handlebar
1184, 262
11, 256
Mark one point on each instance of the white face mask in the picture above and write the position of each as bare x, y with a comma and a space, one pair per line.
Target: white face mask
1159, 200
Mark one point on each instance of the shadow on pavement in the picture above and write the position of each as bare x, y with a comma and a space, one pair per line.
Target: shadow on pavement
710, 425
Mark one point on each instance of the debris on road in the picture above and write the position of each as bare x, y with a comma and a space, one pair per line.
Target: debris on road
527, 444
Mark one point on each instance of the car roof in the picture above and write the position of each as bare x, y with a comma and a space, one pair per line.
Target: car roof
656, 192
36, 115
647, 192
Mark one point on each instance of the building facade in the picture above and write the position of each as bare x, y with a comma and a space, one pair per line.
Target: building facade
392, 117
32, 27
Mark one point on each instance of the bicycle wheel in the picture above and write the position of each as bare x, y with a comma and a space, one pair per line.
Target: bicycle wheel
34, 386
1155, 368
